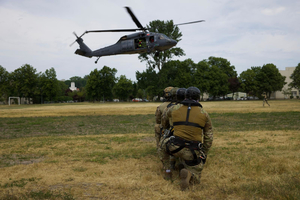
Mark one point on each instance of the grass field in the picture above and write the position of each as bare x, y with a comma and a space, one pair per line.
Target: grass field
107, 151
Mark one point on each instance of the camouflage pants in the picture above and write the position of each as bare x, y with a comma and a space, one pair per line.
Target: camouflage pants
157, 134
182, 155
265, 101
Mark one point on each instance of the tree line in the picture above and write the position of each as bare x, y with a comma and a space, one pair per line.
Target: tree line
214, 76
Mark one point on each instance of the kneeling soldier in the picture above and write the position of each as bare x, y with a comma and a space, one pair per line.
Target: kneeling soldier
159, 112
190, 123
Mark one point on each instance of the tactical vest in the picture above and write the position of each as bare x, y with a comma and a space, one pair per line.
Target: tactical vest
188, 122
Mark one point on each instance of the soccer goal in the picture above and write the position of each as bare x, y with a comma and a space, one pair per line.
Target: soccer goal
13, 98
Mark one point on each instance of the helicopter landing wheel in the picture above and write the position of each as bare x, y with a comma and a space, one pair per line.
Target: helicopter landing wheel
97, 60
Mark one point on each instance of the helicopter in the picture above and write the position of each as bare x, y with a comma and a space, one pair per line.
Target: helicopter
136, 43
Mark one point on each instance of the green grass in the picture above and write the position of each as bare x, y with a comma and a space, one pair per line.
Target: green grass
94, 125
18, 183
38, 195
227, 122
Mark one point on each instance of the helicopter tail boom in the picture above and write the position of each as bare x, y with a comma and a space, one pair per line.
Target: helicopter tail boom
84, 50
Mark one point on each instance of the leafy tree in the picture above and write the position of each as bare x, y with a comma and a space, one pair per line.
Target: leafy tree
224, 65
50, 85
93, 85
218, 71
218, 82
169, 29
201, 77
167, 75
140, 93
134, 92
249, 83
184, 74
108, 79
24, 80
234, 84
269, 79
81, 95
100, 83
62, 94
287, 92
4, 84
147, 80
123, 88
295, 78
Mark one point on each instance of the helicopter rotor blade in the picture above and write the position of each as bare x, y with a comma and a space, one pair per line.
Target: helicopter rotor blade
133, 17
102, 31
114, 30
75, 34
189, 22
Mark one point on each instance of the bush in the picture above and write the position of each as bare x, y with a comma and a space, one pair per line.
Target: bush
297, 97
291, 97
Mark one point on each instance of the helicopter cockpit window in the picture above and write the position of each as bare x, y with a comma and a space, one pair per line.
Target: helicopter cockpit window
162, 36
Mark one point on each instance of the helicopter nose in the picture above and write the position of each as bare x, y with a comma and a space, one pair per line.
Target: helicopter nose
173, 42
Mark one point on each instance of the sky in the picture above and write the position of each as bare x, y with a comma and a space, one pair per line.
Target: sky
247, 33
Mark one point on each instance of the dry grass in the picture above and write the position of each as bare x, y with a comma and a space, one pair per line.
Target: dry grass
237, 161
241, 164
133, 108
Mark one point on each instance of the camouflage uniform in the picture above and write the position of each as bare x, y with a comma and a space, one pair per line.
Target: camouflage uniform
265, 99
188, 133
158, 114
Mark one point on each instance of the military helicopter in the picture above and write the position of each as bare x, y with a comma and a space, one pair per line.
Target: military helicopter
136, 43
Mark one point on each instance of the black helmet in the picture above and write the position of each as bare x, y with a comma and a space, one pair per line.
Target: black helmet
180, 94
192, 93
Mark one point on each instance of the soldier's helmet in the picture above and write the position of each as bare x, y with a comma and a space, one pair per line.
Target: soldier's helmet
167, 93
192, 93
173, 93
180, 94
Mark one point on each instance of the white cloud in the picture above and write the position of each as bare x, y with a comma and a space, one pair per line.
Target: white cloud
273, 11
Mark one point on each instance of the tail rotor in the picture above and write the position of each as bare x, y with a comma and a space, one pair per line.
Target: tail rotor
75, 40
78, 37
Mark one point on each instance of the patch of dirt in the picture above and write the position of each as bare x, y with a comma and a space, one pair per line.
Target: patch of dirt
16, 159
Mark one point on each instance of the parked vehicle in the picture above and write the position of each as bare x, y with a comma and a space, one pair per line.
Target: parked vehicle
137, 100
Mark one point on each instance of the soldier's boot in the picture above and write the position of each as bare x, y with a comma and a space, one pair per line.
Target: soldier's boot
185, 177
168, 175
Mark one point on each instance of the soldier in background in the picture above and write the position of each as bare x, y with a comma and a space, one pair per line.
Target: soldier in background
191, 140
178, 95
159, 112
265, 99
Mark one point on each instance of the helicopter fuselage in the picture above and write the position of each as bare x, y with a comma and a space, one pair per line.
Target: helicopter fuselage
141, 42
136, 43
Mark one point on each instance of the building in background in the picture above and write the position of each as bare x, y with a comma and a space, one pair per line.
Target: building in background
284, 93
73, 88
